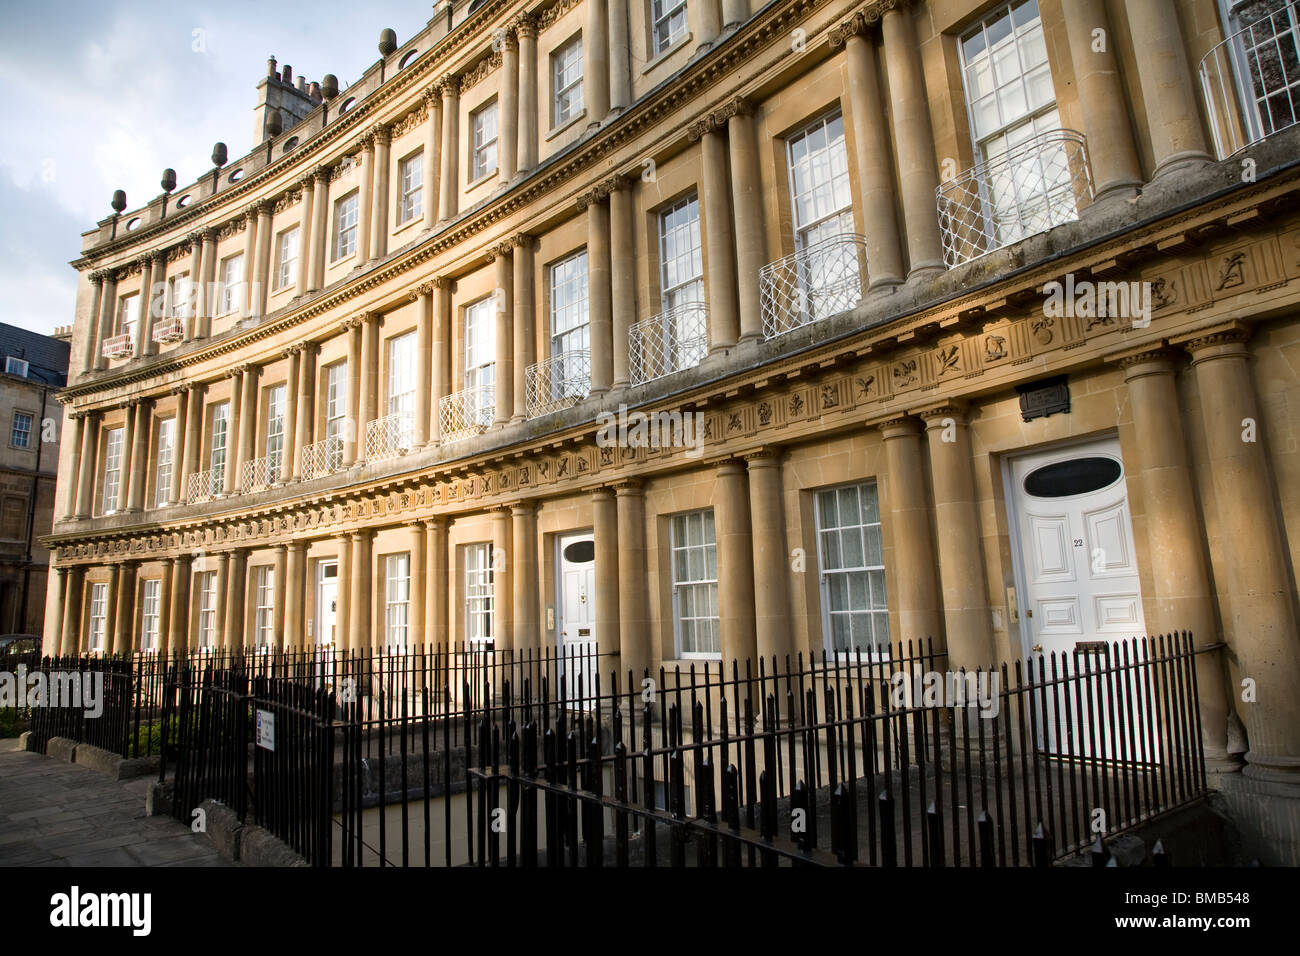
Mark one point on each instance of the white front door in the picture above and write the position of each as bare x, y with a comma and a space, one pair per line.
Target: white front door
1078, 577
575, 629
327, 599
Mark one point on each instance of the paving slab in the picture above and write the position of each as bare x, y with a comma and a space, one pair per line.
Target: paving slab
62, 814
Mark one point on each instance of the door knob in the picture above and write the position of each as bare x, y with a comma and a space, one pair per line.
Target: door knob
1037, 648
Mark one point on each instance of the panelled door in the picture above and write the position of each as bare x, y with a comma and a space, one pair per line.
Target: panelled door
575, 628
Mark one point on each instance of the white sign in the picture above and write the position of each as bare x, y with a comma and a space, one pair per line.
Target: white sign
266, 729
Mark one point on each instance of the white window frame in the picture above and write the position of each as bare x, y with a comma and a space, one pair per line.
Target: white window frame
483, 158
480, 604
219, 443
693, 540
128, 315
166, 457
21, 437
567, 99
480, 343
668, 24
113, 439
232, 282
277, 402
346, 225
98, 618
336, 399
264, 606
397, 600
286, 257
681, 254
150, 614
874, 572
410, 197
827, 189
178, 296
207, 587
16, 366
401, 374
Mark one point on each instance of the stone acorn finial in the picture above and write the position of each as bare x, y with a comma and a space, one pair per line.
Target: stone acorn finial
168, 180
387, 41
329, 86
119, 201
219, 154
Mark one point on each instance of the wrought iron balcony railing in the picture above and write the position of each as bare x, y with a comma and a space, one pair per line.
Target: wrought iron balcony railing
560, 381
467, 412
204, 485
118, 346
1251, 81
322, 458
260, 473
673, 340
169, 330
820, 280
1027, 190
390, 437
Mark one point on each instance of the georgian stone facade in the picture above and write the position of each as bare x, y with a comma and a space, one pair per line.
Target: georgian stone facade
747, 131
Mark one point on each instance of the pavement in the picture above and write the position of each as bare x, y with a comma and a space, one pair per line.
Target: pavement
59, 814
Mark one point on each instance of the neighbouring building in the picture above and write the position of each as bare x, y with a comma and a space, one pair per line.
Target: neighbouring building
35, 369
972, 320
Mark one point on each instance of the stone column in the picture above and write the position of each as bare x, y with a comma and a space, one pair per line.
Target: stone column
176, 488
595, 61
110, 608
281, 591
503, 572
449, 177
343, 611
598, 290
90, 347
747, 205
89, 454
1181, 598
873, 154
620, 57
918, 172
249, 297
123, 628
704, 20
365, 197
294, 626
306, 209
1102, 102
306, 426
237, 600
232, 425
144, 344
262, 268
316, 247
73, 605
52, 633
523, 576
441, 357
178, 627
139, 452
127, 470
504, 361
289, 456
107, 314
250, 412
735, 562
435, 602
351, 432
633, 621
771, 557
734, 13
381, 198
1254, 556
961, 549
622, 277
424, 406
415, 632
193, 441
360, 629
160, 305
432, 157
367, 410
68, 506
209, 298
912, 587
223, 620
526, 29
164, 607
604, 519
1168, 95
719, 267
508, 138
194, 297
525, 335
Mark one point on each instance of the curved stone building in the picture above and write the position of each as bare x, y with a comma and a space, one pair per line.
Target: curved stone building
698, 329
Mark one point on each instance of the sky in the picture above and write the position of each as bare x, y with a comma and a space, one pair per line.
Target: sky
104, 95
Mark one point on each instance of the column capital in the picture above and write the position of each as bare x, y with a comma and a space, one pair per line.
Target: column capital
510, 41
448, 86
603, 493
97, 276
731, 466
523, 240
696, 131
1149, 360
435, 523
348, 325
736, 106
525, 25
934, 415
195, 238
860, 23
523, 508
321, 174
424, 288
380, 134
626, 487
144, 261
764, 457
297, 547
362, 534
159, 256
900, 426
1228, 339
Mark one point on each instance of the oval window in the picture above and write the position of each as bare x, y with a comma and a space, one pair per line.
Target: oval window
133, 224
291, 143
580, 552
405, 61
183, 201
1078, 476
236, 176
